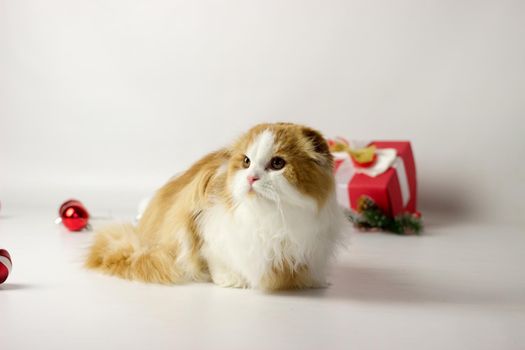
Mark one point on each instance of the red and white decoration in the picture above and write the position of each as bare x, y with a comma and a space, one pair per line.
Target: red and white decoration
390, 181
74, 215
5, 265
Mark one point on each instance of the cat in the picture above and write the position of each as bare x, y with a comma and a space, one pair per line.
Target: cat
260, 214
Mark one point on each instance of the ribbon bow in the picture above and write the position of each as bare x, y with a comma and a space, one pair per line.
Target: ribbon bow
362, 157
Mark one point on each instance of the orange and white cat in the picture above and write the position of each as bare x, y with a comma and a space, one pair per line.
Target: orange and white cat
261, 213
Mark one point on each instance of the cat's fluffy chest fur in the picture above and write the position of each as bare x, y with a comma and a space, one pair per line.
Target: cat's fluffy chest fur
248, 247
260, 213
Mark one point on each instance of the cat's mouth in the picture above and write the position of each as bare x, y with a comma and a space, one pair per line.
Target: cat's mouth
261, 192
255, 188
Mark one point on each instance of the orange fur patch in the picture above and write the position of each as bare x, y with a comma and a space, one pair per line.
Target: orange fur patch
287, 277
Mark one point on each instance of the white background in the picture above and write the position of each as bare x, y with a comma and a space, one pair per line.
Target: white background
104, 100
99, 98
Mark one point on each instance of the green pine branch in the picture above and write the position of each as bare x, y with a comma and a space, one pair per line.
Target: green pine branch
369, 216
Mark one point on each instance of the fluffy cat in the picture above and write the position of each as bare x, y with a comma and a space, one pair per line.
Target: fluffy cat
261, 213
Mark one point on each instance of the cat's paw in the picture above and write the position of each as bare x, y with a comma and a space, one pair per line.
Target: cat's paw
229, 280
316, 284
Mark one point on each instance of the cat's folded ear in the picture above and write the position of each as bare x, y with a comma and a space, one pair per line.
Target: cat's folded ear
319, 150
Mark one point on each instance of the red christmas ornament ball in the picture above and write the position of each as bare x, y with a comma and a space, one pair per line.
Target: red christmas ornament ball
74, 215
5, 265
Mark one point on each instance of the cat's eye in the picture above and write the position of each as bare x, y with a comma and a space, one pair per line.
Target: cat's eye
246, 162
277, 163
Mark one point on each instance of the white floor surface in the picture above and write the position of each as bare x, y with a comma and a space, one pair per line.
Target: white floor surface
458, 286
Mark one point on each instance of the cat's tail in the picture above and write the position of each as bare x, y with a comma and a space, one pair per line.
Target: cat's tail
117, 250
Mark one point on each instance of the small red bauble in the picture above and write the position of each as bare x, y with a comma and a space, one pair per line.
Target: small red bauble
74, 215
5, 265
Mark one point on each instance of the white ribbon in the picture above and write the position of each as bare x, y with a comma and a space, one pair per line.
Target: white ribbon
6, 262
399, 165
385, 159
345, 172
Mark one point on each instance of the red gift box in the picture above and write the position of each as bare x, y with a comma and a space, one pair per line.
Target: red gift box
394, 190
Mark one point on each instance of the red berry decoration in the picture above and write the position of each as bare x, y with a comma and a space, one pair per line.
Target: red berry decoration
5, 265
74, 215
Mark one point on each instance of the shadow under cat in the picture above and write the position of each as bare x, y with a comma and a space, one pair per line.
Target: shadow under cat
381, 285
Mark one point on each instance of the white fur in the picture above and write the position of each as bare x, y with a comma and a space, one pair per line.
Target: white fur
258, 236
275, 224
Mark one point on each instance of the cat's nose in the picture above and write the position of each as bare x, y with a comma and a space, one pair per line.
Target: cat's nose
252, 179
